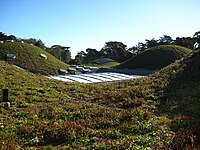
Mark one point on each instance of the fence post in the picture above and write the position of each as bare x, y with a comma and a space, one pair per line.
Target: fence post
5, 99
5, 95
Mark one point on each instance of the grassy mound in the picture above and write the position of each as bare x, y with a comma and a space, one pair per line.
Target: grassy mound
29, 56
156, 112
181, 97
156, 57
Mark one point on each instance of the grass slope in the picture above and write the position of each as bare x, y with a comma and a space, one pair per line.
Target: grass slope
29, 56
156, 112
106, 65
156, 57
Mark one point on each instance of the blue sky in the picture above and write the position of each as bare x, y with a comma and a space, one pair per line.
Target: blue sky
83, 24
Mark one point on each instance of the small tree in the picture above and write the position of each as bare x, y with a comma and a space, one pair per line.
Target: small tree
77, 60
66, 56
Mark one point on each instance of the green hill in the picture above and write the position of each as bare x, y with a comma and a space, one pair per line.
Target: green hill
29, 56
156, 57
181, 98
156, 112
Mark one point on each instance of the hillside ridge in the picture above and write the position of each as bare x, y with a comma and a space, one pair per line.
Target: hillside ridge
30, 56
156, 57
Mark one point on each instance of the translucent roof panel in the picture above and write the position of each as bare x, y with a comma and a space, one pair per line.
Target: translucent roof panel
95, 77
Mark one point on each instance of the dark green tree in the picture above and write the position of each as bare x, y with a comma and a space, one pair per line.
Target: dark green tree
165, 40
133, 50
61, 52
3, 37
90, 55
115, 50
185, 42
151, 43
140, 47
39, 44
80, 58
66, 55
55, 50
11, 37
35, 42
77, 60
30, 41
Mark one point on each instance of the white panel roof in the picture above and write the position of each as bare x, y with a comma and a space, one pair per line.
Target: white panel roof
95, 77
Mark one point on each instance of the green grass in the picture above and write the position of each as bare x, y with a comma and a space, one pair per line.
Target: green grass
156, 57
156, 112
106, 65
29, 56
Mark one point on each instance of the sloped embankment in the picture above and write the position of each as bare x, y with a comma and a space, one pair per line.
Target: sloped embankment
156, 57
181, 98
29, 56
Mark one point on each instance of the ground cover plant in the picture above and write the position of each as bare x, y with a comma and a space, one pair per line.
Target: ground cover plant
106, 65
156, 112
28, 56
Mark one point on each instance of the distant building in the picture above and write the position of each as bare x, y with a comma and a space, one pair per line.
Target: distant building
104, 60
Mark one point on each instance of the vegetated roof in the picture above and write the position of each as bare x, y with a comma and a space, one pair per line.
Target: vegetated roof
181, 96
29, 56
49, 99
156, 57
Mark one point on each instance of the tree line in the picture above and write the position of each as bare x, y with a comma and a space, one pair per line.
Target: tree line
119, 51
112, 49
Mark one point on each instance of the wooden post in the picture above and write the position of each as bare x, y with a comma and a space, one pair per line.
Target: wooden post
5, 95
5, 99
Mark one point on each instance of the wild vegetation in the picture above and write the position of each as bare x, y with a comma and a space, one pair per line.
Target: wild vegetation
156, 57
156, 112
28, 56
